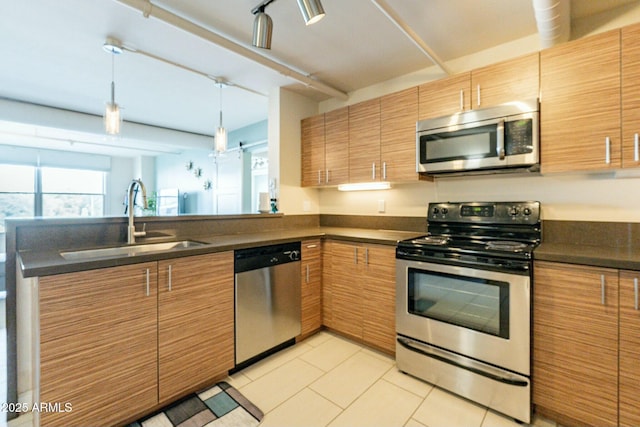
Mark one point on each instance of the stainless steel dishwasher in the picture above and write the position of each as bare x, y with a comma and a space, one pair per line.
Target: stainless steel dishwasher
267, 299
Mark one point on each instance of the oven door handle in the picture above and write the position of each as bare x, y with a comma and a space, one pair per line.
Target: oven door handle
430, 352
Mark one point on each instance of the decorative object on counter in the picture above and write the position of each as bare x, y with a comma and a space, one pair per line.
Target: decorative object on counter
264, 203
274, 205
221, 403
112, 117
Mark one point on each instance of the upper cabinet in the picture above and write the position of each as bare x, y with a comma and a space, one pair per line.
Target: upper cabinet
398, 116
495, 84
364, 141
445, 96
325, 148
507, 81
630, 96
336, 146
313, 151
580, 104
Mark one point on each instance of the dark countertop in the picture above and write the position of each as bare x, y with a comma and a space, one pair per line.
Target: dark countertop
50, 262
626, 258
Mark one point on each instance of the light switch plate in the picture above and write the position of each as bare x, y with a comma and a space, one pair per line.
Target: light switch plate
381, 206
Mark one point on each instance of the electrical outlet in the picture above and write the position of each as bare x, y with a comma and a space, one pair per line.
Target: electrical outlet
306, 206
381, 206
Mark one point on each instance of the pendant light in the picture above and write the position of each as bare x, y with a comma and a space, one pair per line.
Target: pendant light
312, 11
112, 116
221, 132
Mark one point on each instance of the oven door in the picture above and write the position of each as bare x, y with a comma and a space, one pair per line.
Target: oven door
481, 314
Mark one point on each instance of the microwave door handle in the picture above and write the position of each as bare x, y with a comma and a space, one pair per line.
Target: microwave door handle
500, 140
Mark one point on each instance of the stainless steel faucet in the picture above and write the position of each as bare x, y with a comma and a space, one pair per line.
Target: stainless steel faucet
131, 229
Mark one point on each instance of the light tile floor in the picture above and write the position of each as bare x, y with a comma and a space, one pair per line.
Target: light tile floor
328, 380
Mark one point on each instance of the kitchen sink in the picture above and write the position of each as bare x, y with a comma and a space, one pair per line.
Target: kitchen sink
133, 250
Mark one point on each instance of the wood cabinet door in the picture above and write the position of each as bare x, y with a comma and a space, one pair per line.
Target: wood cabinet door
629, 374
580, 104
575, 343
379, 298
445, 96
347, 288
336, 149
311, 275
364, 141
195, 321
630, 96
398, 116
98, 344
327, 284
312, 150
507, 81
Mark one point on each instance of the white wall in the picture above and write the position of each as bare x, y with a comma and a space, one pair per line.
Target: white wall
594, 197
286, 109
119, 178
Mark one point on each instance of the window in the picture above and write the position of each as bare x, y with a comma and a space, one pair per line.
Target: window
70, 192
17, 192
63, 192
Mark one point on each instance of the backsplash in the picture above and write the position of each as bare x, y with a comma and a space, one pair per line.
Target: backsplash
592, 233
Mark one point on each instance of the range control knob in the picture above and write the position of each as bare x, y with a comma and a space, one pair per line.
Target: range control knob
526, 211
436, 210
445, 211
514, 211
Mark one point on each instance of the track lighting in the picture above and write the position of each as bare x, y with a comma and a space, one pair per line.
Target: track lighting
312, 11
112, 117
262, 30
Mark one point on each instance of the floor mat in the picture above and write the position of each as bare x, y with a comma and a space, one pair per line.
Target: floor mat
218, 406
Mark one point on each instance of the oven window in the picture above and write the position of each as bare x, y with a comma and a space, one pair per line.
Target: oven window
473, 303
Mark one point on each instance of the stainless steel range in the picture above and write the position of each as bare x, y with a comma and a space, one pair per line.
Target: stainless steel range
463, 302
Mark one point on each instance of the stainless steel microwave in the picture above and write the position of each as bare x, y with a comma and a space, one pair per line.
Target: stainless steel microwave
503, 138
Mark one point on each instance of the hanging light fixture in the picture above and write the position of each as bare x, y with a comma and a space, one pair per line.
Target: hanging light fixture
262, 29
221, 132
112, 116
312, 11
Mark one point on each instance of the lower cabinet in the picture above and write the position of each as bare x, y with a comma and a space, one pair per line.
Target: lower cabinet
362, 291
98, 345
195, 322
119, 341
586, 345
311, 286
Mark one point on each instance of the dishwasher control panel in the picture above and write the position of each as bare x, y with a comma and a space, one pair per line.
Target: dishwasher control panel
266, 256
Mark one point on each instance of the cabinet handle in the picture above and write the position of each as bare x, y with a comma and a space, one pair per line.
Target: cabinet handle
602, 289
373, 171
384, 171
326, 176
500, 140
307, 275
636, 150
461, 99
312, 246
607, 147
366, 256
147, 282
355, 255
635, 293
170, 277
478, 95
319, 176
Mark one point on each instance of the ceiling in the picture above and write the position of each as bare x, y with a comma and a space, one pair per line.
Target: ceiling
52, 52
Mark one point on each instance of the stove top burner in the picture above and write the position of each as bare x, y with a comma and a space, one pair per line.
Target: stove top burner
433, 240
505, 245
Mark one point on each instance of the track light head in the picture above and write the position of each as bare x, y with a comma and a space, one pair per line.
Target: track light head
262, 30
312, 11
